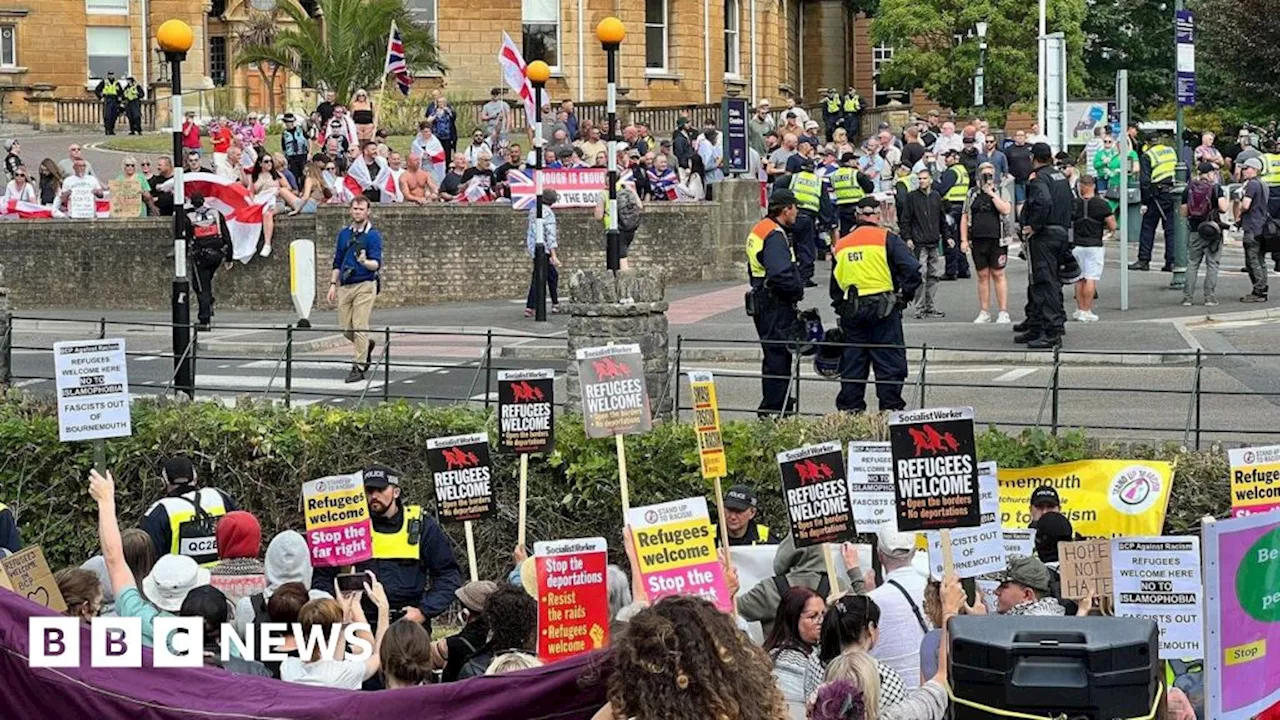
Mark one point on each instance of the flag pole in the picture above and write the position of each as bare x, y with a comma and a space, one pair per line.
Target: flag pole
382, 91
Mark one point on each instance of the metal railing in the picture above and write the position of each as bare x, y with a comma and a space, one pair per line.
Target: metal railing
299, 351
88, 112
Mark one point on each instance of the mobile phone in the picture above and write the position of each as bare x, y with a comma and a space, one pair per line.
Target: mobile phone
349, 583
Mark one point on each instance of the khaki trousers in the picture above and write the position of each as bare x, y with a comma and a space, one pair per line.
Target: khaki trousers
355, 304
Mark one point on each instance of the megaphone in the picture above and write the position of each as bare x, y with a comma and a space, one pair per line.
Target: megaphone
302, 279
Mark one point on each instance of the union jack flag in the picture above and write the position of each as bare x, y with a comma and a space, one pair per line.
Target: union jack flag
523, 191
396, 64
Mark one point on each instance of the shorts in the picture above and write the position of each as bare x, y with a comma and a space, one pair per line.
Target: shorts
627, 237
1019, 192
988, 254
1090, 260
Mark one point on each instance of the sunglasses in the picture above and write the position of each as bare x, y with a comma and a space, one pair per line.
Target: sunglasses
330, 168
268, 161
21, 175
128, 165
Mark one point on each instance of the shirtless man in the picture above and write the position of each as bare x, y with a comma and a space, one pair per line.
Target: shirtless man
415, 183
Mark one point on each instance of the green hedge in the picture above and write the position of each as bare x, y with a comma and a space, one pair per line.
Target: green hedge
260, 453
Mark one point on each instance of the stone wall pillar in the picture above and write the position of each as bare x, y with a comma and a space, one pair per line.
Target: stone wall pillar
42, 108
627, 309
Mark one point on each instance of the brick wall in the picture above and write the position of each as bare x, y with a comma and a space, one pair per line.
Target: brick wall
432, 254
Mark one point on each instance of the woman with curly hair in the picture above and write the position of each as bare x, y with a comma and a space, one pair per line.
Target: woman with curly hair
793, 646
683, 659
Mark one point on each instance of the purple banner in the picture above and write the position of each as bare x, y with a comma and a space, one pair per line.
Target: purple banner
1184, 39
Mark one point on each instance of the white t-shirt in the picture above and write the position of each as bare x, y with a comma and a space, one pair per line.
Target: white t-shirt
900, 633
340, 674
28, 193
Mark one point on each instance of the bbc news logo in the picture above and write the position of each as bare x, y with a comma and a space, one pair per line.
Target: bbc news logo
116, 642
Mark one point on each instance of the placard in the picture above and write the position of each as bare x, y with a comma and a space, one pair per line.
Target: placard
975, 551
614, 398
676, 551
526, 410
462, 476
871, 486
573, 597
935, 469
82, 203
126, 198
27, 573
1158, 578
816, 493
706, 423
577, 187
336, 513
1085, 567
1255, 479
1101, 498
92, 382
1242, 608
1018, 542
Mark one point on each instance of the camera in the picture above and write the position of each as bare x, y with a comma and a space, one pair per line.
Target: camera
354, 249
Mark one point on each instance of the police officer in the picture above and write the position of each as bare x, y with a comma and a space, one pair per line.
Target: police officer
185, 520
849, 186
10, 539
814, 206
851, 107
776, 287
1046, 216
740, 507
953, 185
293, 142
873, 277
208, 245
412, 557
832, 113
1155, 184
1270, 176
133, 95
108, 91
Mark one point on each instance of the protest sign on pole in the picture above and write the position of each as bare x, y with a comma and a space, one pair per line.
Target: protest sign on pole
126, 198
975, 551
1255, 480
816, 493
1101, 498
462, 476
614, 400
92, 381
336, 513
1085, 568
711, 458
573, 597
871, 486
1158, 578
1018, 542
1242, 615
935, 472
27, 573
526, 423
676, 551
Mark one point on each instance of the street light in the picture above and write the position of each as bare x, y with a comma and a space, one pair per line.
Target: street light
538, 73
611, 32
979, 80
175, 38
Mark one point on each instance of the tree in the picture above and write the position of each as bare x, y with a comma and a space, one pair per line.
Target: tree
936, 47
260, 30
344, 48
1236, 46
1136, 35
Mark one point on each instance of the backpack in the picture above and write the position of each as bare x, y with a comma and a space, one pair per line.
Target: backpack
628, 210
1200, 198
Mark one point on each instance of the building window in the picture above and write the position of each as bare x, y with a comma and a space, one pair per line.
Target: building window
655, 35
732, 48
108, 51
541, 20
8, 46
881, 55
107, 7
423, 12
218, 60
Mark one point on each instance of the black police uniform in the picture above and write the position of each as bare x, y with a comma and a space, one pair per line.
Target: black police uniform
208, 246
776, 287
108, 91
874, 318
1047, 212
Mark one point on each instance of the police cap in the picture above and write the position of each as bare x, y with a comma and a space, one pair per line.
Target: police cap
868, 206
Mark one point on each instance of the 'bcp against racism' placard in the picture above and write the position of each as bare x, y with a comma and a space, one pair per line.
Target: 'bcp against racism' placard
573, 597
92, 381
935, 469
339, 529
871, 486
614, 398
526, 403
462, 475
816, 493
1158, 578
676, 551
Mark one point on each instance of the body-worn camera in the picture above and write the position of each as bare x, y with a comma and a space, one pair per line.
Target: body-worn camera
354, 248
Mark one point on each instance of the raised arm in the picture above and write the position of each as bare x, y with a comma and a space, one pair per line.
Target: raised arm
103, 490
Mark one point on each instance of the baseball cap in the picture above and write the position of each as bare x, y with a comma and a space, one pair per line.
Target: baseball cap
1045, 495
781, 198
811, 124
968, 140
848, 157
474, 594
1206, 167
897, 544
950, 152
868, 206
379, 477
739, 498
1042, 152
1253, 162
289, 117
1051, 529
178, 470
1026, 571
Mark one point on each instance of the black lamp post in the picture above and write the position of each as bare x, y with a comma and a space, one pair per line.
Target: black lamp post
175, 39
611, 33
538, 72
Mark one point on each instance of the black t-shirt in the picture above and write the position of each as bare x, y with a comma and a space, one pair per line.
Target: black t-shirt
486, 177
984, 218
164, 199
1214, 196
1090, 219
1019, 157
911, 154
450, 184
463, 646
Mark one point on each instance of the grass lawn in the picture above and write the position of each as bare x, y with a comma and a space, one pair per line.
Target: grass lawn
162, 143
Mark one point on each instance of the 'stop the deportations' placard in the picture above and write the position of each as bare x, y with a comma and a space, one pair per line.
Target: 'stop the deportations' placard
462, 476
614, 398
93, 390
816, 494
935, 469
526, 422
